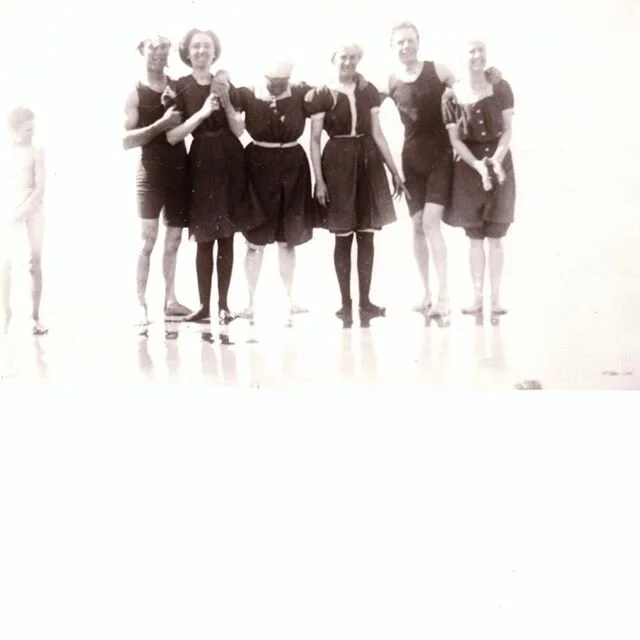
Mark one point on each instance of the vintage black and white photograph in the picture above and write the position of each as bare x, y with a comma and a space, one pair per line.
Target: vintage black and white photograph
265, 268
299, 195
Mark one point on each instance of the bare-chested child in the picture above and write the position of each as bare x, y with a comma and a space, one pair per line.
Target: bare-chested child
161, 181
23, 174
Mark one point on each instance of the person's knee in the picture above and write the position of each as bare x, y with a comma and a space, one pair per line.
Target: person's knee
417, 226
254, 249
283, 247
431, 221
147, 247
172, 240
35, 263
364, 237
495, 244
148, 236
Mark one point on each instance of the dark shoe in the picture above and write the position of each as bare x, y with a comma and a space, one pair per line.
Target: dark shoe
201, 316
372, 310
345, 313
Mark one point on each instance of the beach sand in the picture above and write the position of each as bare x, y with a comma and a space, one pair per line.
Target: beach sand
571, 286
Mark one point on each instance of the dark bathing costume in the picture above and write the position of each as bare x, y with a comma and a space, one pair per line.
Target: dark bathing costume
279, 177
161, 176
352, 165
427, 157
481, 213
358, 187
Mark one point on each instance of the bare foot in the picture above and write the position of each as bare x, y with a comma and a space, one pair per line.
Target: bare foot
440, 310
176, 310
225, 317
38, 329
295, 309
473, 309
424, 306
143, 317
246, 314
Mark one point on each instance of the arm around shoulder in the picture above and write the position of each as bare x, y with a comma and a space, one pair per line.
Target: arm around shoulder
445, 74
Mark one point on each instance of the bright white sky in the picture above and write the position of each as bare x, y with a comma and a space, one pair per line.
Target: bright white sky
566, 59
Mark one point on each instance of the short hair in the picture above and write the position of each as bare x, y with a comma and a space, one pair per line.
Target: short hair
344, 45
405, 24
18, 116
185, 43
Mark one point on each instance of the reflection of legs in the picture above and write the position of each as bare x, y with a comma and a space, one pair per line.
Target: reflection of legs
342, 263
431, 220
35, 234
204, 270
172, 241
252, 268
421, 253
149, 235
365, 272
224, 264
496, 263
477, 267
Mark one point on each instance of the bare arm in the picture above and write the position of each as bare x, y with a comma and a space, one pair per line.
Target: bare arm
461, 148
37, 195
317, 124
236, 121
234, 118
465, 153
138, 137
381, 141
505, 138
179, 133
445, 74
221, 85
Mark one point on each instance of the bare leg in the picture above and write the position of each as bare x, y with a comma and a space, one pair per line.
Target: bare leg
172, 239
252, 268
431, 221
477, 267
421, 253
35, 235
149, 235
287, 262
9, 234
496, 263
5, 282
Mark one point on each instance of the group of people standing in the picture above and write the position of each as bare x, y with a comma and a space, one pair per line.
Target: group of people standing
456, 167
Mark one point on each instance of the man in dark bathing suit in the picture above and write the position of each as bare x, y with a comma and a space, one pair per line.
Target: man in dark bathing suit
161, 180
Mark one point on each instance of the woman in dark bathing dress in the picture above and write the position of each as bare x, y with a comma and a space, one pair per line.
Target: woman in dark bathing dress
216, 167
278, 173
350, 178
478, 116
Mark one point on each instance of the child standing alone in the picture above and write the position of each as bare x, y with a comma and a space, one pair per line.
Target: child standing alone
22, 171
